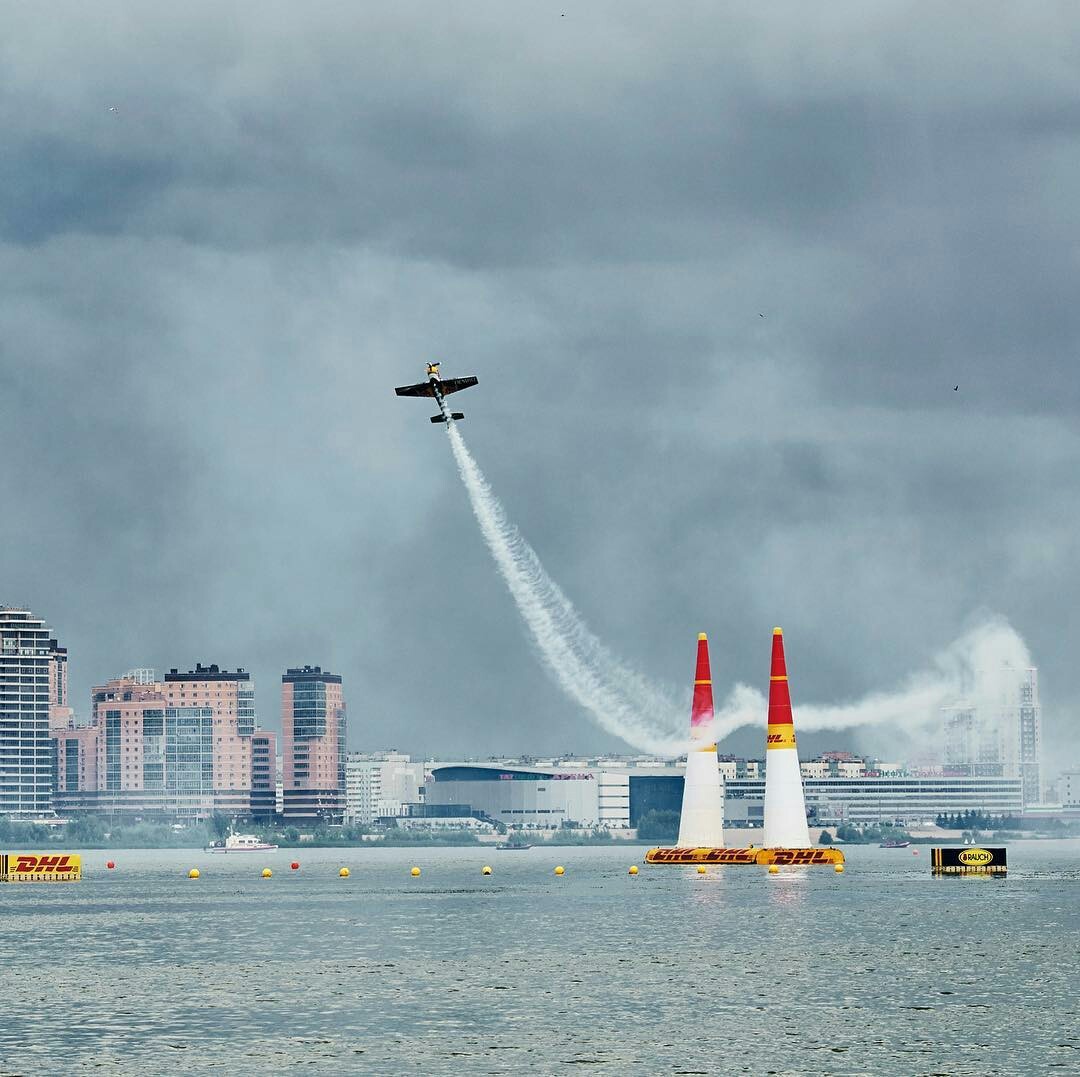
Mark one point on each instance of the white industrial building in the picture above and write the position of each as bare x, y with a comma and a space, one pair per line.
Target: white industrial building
380, 784
904, 800
616, 797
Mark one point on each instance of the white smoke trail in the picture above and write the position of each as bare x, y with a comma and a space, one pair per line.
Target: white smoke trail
622, 701
654, 720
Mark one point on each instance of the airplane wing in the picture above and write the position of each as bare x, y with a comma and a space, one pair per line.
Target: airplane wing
423, 389
452, 385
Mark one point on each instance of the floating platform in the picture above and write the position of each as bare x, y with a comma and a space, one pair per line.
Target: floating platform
969, 860
782, 857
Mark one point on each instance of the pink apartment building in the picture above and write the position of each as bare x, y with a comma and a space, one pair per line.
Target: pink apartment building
313, 745
181, 747
231, 696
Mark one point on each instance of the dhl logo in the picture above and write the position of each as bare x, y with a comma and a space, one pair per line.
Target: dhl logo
780, 735
700, 856
39, 867
788, 857
800, 856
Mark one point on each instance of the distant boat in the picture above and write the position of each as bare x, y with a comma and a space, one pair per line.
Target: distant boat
512, 845
894, 843
240, 843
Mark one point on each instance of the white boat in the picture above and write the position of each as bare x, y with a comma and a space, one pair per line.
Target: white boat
239, 843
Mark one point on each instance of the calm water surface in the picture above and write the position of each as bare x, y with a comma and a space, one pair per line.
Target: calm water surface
880, 970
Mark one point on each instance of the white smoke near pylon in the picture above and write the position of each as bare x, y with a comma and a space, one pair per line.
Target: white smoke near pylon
655, 719
992, 644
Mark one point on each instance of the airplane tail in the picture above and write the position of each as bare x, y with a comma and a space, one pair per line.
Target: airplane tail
442, 418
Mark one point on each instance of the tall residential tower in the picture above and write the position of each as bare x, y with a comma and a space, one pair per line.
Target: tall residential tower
313, 745
29, 662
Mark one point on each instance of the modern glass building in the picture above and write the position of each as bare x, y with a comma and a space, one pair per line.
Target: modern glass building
231, 695
313, 745
27, 757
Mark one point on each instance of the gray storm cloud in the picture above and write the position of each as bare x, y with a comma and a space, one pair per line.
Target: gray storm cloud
210, 292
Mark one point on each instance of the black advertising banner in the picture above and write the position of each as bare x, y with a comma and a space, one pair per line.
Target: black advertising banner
968, 860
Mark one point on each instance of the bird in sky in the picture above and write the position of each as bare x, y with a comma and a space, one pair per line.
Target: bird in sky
956, 388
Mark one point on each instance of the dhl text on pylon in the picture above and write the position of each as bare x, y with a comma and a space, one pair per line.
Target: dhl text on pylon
787, 836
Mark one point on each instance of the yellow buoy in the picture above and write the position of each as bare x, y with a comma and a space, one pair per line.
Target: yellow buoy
193, 874
486, 869
344, 873
701, 869
633, 870
560, 870
414, 872
773, 869
839, 869
267, 873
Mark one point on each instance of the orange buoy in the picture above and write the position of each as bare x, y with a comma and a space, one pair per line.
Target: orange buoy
110, 864
295, 865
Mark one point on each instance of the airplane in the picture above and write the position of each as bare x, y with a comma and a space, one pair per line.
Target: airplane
438, 387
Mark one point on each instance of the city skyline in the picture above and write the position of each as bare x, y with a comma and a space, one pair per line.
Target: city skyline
986, 705
188, 746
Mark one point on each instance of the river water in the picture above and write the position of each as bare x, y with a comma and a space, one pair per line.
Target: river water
880, 970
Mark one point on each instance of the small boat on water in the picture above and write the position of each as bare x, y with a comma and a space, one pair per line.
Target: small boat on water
894, 843
512, 845
239, 843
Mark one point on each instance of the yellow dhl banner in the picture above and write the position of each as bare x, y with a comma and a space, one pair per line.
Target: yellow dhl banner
744, 856
40, 867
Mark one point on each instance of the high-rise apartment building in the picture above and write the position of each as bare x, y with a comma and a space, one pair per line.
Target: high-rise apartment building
27, 651
997, 731
231, 697
313, 745
139, 756
178, 748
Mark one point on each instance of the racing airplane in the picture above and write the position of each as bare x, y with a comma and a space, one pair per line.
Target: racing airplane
438, 387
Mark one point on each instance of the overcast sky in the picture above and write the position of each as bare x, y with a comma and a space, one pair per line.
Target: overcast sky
228, 231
